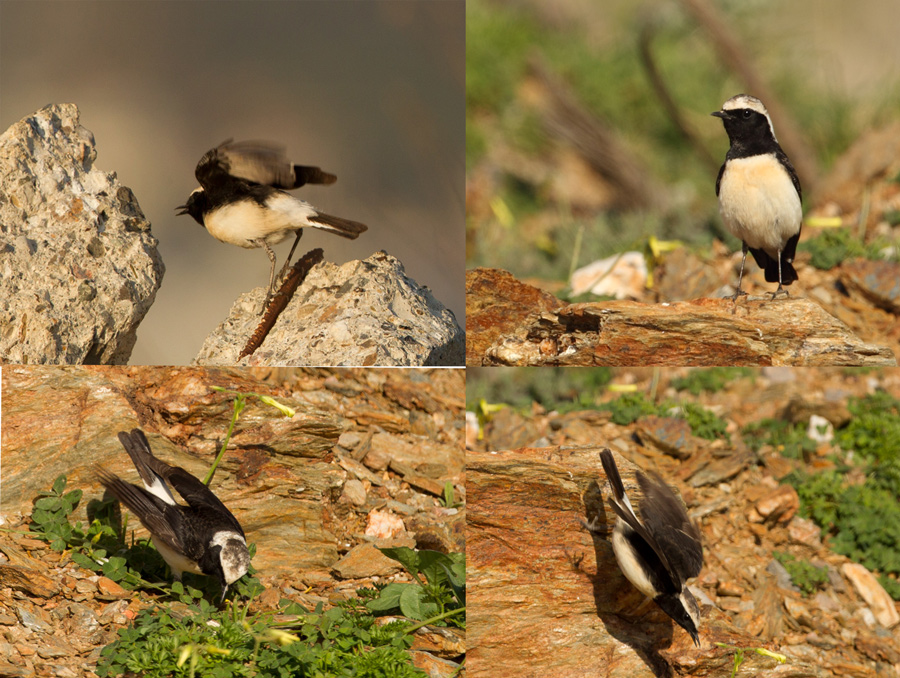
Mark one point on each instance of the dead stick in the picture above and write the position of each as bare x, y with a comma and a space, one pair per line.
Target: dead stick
279, 302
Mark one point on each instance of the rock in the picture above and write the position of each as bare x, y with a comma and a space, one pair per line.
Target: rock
362, 313
79, 267
278, 476
27, 581
496, 304
365, 560
622, 276
877, 281
867, 586
755, 331
778, 506
555, 591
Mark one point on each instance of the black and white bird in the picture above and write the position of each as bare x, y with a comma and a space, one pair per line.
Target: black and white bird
759, 192
658, 548
241, 199
203, 537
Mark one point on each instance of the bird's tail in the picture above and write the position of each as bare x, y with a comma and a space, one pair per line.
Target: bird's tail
612, 474
342, 227
769, 264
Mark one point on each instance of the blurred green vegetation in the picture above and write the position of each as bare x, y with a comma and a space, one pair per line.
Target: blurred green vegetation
606, 76
554, 388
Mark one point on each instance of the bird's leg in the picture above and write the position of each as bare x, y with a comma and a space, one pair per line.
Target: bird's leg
290, 254
780, 289
741, 276
262, 243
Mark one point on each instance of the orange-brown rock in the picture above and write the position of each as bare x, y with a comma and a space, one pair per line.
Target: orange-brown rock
702, 332
496, 304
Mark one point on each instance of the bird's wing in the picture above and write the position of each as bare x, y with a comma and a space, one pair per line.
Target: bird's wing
623, 508
672, 531
259, 162
194, 492
199, 496
719, 178
163, 521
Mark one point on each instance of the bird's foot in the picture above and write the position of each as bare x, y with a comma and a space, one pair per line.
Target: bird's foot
780, 290
739, 293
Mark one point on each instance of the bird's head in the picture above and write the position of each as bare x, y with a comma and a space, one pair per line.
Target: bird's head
196, 205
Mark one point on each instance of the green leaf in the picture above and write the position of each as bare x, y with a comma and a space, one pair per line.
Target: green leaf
59, 485
408, 558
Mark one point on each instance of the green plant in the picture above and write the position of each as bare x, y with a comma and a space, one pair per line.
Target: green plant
449, 498
874, 427
862, 520
836, 245
91, 544
438, 594
790, 439
804, 575
204, 641
703, 422
712, 379
740, 651
629, 407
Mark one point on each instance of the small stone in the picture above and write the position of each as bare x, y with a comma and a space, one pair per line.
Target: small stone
354, 493
110, 589
865, 583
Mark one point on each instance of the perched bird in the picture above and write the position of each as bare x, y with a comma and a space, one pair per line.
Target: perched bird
202, 537
759, 192
658, 548
241, 201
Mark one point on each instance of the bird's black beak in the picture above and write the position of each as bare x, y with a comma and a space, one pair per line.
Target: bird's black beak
719, 114
183, 208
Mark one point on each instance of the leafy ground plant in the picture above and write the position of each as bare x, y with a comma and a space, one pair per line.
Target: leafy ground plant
438, 595
204, 641
804, 575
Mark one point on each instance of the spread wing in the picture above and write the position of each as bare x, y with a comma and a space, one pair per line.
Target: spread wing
162, 520
259, 162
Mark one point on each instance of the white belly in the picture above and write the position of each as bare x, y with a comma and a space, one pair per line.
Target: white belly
243, 222
759, 203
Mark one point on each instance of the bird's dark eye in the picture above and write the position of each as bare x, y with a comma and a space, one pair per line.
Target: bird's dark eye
747, 113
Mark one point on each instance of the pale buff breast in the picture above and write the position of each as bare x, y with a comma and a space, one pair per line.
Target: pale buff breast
759, 203
242, 222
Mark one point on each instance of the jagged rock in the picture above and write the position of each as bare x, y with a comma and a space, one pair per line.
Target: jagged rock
497, 303
754, 331
362, 313
557, 592
79, 267
279, 475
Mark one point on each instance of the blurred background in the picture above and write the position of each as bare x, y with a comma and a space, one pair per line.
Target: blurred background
371, 91
589, 134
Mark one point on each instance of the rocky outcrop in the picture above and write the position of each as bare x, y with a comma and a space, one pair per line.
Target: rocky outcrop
79, 267
365, 313
282, 477
708, 331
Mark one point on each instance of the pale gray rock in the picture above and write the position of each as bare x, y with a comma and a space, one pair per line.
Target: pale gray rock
361, 313
79, 267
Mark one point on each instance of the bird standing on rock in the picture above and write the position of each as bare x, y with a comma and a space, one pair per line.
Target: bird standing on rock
759, 192
241, 199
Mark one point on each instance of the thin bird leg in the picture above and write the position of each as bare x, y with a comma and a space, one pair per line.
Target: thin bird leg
741, 276
262, 243
287, 263
780, 289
